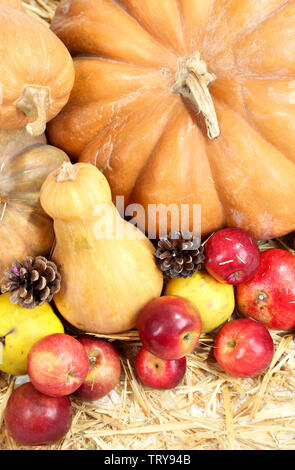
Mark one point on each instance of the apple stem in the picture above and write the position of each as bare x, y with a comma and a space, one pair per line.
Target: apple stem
92, 360
232, 343
187, 338
3, 338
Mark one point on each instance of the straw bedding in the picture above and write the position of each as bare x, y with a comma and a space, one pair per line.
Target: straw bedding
209, 410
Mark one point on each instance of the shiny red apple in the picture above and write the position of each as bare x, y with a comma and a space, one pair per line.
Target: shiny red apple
158, 373
104, 369
34, 419
243, 348
232, 256
169, 327
57, 365
270, 296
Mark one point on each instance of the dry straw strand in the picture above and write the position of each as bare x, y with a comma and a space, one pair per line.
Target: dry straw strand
228, 417
5, 399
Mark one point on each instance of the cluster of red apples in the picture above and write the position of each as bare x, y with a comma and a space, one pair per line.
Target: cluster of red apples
170, 327
39, 412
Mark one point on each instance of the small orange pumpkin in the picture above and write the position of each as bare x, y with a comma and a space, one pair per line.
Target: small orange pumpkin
36, 71
143, 71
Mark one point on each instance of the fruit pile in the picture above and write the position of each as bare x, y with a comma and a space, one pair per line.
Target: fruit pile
169, 327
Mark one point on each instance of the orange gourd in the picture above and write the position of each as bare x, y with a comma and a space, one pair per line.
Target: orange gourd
36, 71
107, 265
25, 162
143, 71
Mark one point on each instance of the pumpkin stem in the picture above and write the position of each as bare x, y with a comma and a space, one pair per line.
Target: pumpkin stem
35, 102
192, 82
67, 172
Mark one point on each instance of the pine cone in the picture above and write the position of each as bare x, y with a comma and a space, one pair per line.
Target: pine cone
32, 282
179, 254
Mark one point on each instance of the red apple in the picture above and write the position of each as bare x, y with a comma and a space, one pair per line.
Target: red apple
104, 370
270, 296
232, 256
169, 327
57, 365
35, 419
243, 348
159, 373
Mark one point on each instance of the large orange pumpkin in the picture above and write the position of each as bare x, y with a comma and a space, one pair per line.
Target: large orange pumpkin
143, 71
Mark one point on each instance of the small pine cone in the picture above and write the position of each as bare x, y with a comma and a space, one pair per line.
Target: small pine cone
179, 254
32, 282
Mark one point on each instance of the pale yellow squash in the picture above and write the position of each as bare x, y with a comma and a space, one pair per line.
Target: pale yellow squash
107, 264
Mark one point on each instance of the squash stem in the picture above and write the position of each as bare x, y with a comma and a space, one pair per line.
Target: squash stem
192, 82
35, 102
67, 172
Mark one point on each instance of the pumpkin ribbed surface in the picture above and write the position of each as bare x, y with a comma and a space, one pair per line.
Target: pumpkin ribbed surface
151, 143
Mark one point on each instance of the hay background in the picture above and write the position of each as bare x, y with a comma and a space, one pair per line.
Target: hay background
209, 410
